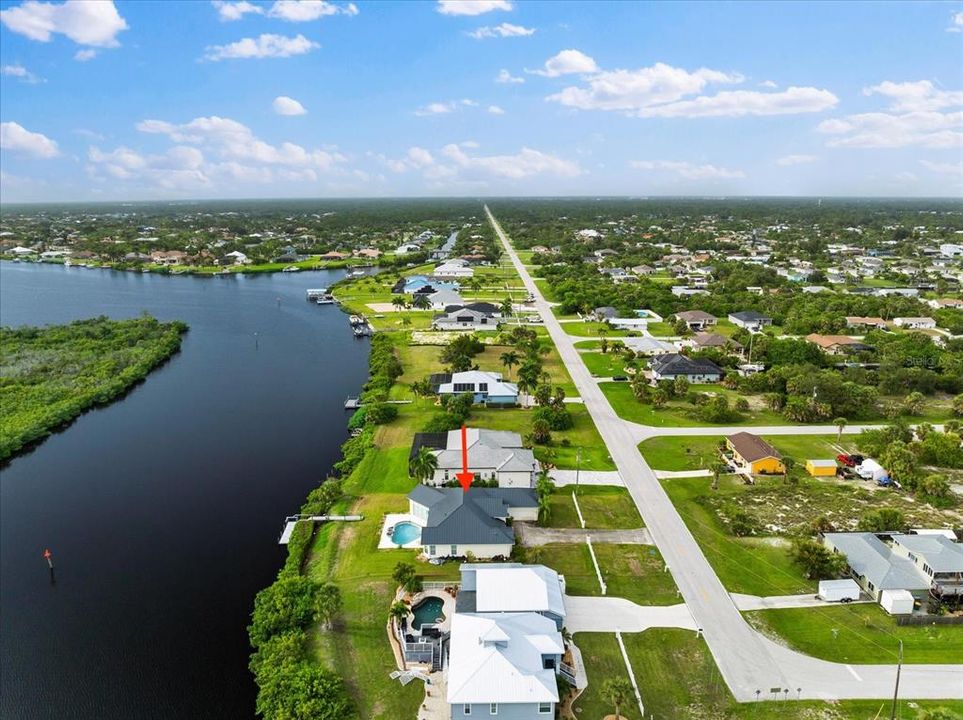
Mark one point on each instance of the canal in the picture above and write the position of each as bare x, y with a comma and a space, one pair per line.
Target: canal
163, 509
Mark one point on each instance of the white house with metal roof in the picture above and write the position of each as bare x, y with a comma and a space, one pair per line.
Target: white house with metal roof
492, 455
485, 387
936, 557
512, 587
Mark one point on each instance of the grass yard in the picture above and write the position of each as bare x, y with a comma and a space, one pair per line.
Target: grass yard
859, 634
661, 329
633, 572
603, 660
591, 329
699, 451
603, 507
679, 413
609, 364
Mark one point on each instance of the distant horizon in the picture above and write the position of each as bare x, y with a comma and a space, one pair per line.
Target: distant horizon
241, 99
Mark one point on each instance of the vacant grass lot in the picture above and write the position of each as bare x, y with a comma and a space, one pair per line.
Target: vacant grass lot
604, 507
698, 452
634, 572
859, 634
679, 413
609, 364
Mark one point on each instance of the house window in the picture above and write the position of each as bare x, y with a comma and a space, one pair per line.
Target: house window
493, 709
466, 709
464, 387
548, 662
544, 708
482, 387
454, 550
431, 549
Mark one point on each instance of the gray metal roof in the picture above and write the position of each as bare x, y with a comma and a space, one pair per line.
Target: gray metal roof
871, 558
456, 517
940, 553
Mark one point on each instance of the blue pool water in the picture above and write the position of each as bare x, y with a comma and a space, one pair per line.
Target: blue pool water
428, 610
404, 533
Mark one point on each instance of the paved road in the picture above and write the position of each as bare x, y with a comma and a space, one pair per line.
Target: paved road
530, 535
747, 661
611, 614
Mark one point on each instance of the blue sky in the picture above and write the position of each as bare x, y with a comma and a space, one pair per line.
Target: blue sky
145, 100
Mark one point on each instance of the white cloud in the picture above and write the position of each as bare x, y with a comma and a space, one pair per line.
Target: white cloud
501, 31
687, 170
944, 167
789, 160
86, 22
85, 55
420, 157
768, 84
443, 108
634, 90
956, 23
662, 90
308, 10
180, 168
915, 96
233, 141
284, 105
567, 62
18, 139
506, 78
917, 117
231, 11
21, 73
471, 7
265, 45
739, 103
525, 163
495, 110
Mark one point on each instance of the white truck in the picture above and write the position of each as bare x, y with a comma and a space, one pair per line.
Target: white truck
843, 591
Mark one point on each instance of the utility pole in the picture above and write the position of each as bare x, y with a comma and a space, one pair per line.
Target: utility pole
899, 667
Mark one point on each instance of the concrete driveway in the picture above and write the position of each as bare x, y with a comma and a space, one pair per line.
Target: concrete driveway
531, 535
775, 602
612, 614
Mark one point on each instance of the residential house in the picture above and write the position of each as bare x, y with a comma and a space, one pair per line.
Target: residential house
685, 291
533, 588
750, 320
673, 365
168, 257
753, 455
487, 388
701, 341
647, 345
334, 255
237, 258
604, 314
368, 253
695, 319
935, 557
643, 270
915, 323
453, 269
954, 303
492, 455
456, 522
406, 248
474, 316
442, 298
837, 344
853, 321
503, 665
878, 570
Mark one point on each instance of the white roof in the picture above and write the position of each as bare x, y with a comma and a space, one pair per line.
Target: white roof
846, 584
533, 588
498, 659
496, 386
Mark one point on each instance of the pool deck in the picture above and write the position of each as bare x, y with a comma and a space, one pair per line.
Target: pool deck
392, 519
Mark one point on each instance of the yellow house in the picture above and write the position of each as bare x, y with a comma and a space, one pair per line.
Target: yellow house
754, 455
821, 468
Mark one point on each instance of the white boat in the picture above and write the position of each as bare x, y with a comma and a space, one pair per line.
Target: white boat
325, 300
291, 268
356, 273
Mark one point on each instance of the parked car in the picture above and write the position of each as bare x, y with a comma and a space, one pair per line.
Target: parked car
846, 460
620, 378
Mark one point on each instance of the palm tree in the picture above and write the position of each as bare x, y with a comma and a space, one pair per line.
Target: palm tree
509, 359
618, 691
421, 301
398, 612
398, 301
506, 307
717, 470
840, 423
424, 464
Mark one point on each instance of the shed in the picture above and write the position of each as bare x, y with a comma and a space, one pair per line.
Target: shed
821, 468
897, 602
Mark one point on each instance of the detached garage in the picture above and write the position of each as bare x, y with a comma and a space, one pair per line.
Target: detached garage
897, 602
821, 468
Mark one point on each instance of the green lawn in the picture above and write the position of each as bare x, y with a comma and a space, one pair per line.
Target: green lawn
679, 413
609, 364
697, 452
661, 329
860, 634
591, 329
603, 507
634, 572
603, 660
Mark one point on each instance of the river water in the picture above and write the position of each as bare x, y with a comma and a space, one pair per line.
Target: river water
163, 509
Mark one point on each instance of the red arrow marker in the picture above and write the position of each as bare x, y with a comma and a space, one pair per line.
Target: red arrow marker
464, 477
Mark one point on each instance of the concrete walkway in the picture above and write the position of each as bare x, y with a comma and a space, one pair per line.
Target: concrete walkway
532, 535
586, 477
611, 614
669, 474
747, 661
775, 602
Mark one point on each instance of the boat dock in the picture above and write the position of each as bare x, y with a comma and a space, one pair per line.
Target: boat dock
352, 403
316, 293
292, 521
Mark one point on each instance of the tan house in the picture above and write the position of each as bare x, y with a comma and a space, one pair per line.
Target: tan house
865, 322
836, 344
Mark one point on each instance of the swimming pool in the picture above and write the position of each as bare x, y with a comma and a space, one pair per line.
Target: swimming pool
428, 610
404, 533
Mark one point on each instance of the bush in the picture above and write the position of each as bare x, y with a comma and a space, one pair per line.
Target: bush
380, 413
288, 604
816, 560
557, 418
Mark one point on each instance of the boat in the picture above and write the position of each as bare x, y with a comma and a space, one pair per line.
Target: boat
291, 268
327, 299
356, 274
356, 320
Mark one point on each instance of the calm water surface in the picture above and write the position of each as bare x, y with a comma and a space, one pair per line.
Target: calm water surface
163, 509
